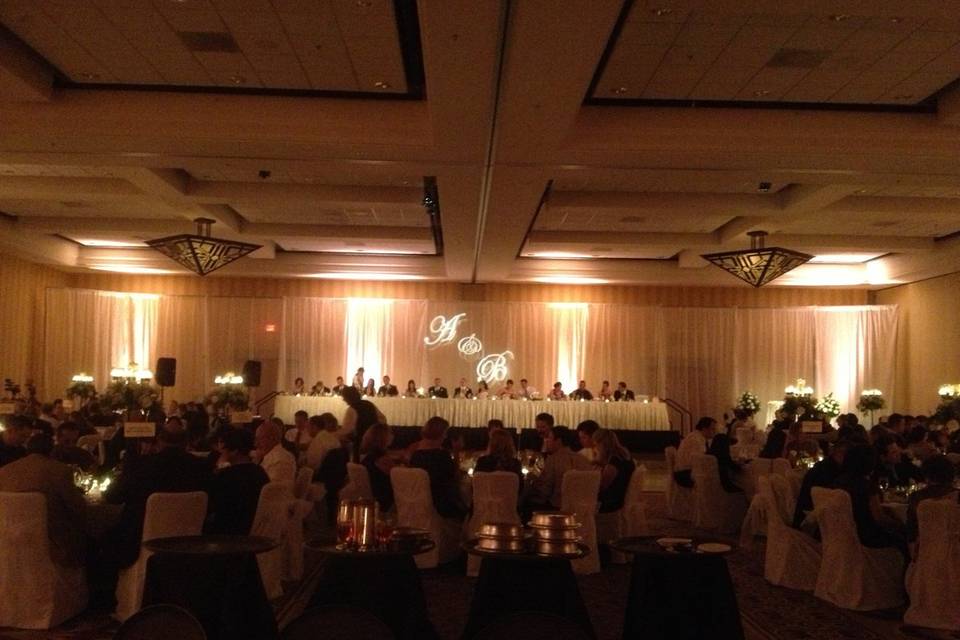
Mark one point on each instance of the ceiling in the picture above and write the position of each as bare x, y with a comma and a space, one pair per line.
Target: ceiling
587, 141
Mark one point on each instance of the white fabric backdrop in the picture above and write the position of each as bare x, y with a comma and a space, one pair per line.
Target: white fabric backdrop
703, 358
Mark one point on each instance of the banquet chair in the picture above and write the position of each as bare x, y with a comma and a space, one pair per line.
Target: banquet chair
631, 520
167, 515
35, 593
578, 495
495, 497
93, 444
292, 544
680, 500
160, 622
358, 483
411, 492
780, 466
715, 508
853, 576
337, 622
792, 558
271, 521
301, 486
933, 579
531, 625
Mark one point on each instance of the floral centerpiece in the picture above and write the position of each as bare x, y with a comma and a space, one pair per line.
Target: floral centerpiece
81, 386
949, 408
748, 402
871, 400
828, 406
232, 396
127, 395
800, 401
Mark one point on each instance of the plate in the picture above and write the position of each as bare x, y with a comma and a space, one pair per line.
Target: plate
713, 547
673, 542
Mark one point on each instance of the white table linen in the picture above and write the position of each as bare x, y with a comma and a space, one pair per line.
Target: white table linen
475, 413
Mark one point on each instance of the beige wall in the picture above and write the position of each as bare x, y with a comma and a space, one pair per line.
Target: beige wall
929, 342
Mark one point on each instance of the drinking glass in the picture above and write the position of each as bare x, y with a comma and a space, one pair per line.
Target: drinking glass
346, 532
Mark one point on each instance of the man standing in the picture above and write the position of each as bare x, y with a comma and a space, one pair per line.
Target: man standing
358, 381
279, 463
581, 392
696, 442
437, 390
387, 390
622, 394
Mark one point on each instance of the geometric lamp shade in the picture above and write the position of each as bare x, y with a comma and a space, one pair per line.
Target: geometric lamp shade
200, 253
758, 266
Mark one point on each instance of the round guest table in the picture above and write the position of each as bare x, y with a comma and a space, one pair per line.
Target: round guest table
217, 579
515, 582
678, 595
385, 583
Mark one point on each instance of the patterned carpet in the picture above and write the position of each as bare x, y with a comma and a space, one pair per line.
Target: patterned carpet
769, 613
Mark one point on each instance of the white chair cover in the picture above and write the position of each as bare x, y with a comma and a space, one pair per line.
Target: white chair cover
631, 520
757, 468
411, 492
715, 508
780, 466
167, 515
92, 444
933, 580
301, 488
293, 541
35, 593
578, 495
358, 483
755, 522
792, 557
272, 521
494, 500
852, 576
680, 500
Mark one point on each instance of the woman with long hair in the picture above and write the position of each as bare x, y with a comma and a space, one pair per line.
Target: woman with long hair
411, 391
373, 449
501, 455
370, 391
616, 467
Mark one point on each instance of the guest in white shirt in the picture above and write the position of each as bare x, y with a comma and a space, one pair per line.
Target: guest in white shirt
323, 429
358, 380
299, 435
696, 442
508, 392
463, 391
585, 431
557, 392
526, 391
279, 463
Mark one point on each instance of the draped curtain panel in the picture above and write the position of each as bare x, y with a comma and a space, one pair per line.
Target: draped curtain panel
701, 357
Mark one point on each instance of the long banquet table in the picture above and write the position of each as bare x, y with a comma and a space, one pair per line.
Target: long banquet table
637, 416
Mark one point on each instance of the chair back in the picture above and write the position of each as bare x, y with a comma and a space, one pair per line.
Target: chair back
24, 518
781, 497
337, 622
579, 492
302, 485
761, 466
834, 514
273, 511
358, 482
634, 514
670, 453
933, 580
174, 514
160, 622
532, 625
411, 493
90, 443
939, 526
494, 498
780, 466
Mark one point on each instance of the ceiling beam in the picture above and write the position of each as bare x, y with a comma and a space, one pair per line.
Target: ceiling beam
36, 248
672, 203
23, 75
67, 188
279, 194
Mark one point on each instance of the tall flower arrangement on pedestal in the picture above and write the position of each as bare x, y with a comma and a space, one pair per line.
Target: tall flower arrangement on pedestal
81, 386
748, 403
871, 400
949, 407
228, 395
800, 401
126, 395
828, 406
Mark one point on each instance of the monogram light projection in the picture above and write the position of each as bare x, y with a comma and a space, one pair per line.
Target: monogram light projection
470, 345
493, 367
444, 329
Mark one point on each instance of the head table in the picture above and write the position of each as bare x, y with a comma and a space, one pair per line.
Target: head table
638, 416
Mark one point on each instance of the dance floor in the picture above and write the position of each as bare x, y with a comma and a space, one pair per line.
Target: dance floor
769, 613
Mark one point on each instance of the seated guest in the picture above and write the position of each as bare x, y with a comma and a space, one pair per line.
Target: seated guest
319, 389
501, 456
823, 474
585, 432
234, 490
12, 439
463, 391
616, 468
299, 435
507, 392
370, 391
373, 448
279, 463
545, 490
97, 417
298, 387
47, 410
892, 466
483, 390
727, 468
439, 465
543, 422
606, 393
919, 445
437, 390
494, 424
776, 444
622, 394
387, 390
411, 390
67, 450
696, 441
66, 508
581, 392
939, 474
323, 432
339, 387
170, 470
874, 528
526, 391
557, 392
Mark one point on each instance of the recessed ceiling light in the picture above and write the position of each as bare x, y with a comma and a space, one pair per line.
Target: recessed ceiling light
844, 258
380, 84
559, 255
896, 19
619, 90
92, 242
761, 93
661, 11
569, 280
839, 17
127, 268
364, 275
90, 76
237, 79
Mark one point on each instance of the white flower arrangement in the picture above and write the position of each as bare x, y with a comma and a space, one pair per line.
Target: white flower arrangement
871, 400
829, 406
949, 391
748, 402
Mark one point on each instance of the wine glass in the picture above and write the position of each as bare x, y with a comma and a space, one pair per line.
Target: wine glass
346, 531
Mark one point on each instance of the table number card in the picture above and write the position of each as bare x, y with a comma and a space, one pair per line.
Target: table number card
241, 417
7, 408
139, 430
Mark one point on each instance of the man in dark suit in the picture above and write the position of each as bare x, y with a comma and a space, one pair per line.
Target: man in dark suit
339, 387
437, 390
892, 465
622, 394
581, 392
463, 391
387, 389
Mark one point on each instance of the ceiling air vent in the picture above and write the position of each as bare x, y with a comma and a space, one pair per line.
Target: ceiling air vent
211, 41
797, 59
